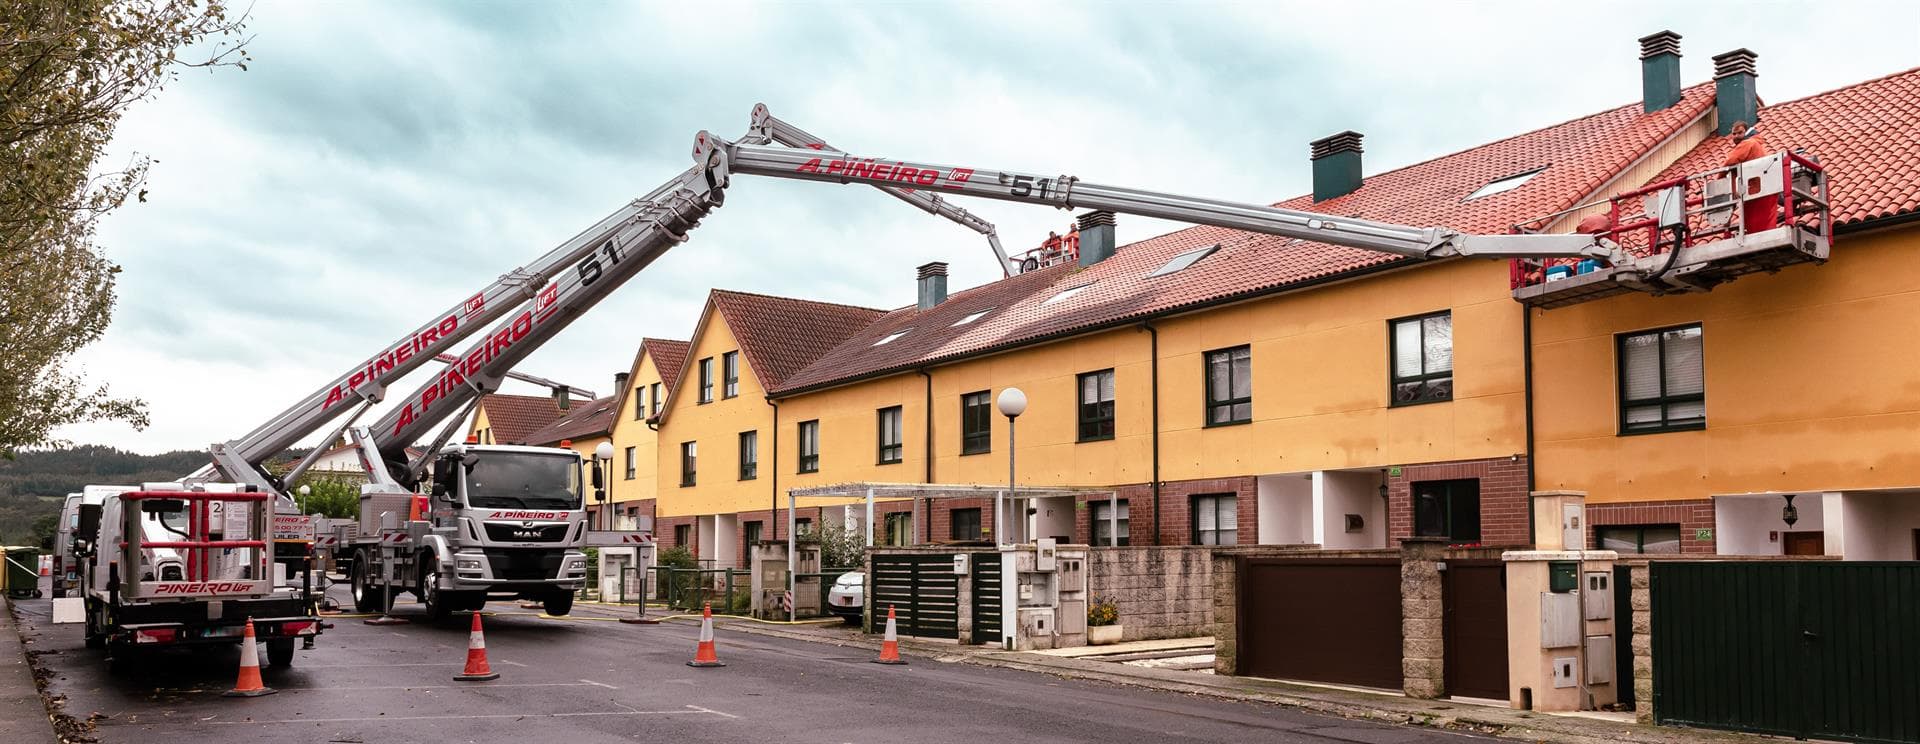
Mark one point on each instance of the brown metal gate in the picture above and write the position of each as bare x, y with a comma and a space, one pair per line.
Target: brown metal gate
1475, 628
1324, 620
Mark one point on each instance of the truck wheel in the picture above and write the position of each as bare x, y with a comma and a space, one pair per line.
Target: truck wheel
558, 604
280, 652
365, 599
439, 605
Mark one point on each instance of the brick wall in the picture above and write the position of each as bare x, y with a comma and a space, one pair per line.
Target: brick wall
943, 518
1164, 592
1503, 497
663, 529
1692, 515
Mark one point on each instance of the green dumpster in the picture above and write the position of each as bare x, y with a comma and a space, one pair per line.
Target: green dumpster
22, 574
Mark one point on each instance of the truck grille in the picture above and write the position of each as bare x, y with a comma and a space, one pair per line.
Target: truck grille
512, 532
525, 565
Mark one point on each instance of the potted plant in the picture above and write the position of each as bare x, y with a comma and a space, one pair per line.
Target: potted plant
1103, 622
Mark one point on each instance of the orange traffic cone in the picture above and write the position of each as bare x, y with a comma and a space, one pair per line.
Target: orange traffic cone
248, 685
890, 643
704, 656
477, 669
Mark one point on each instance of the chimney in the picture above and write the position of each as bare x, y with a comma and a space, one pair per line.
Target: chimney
1659, 71
619, 383
1336, 165
1733, 94
933, 284
1096, 236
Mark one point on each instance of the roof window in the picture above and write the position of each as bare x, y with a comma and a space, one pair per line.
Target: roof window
1067, 294
971, 317
1184, 260
1508, 183
891, 337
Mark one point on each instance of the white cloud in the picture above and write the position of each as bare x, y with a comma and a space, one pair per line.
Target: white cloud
382, 161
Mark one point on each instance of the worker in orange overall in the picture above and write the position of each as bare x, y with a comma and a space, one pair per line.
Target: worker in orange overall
1759, 213
1051, 248
1071, 244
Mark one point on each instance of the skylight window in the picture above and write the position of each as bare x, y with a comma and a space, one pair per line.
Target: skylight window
891, 337
1067, 294
971, 317
1500, 185
1184, 260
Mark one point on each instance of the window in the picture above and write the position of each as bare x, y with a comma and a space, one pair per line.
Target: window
654, 393
1508, 183
809, 446
964, 524
976, 423
1230, 386
1662, 381
1067, 294
689, 451
899, 528
891, 337
971, 317
730, 371
890, 443
640, 403
633, 462
1096, 405
1184, 260
1449, 509
1421, 352
802, 526
1638, 538
1103, 518
749, 455
706, 380
683, 536
1216, 519
753, 533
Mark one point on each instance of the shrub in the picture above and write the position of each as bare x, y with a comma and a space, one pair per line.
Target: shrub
1102, 612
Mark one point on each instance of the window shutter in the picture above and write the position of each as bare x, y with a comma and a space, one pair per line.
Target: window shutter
1641, 364
1242, 373
1406, 348
1685, 370
1217, 378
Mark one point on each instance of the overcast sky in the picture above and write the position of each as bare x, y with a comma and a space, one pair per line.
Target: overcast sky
381, 161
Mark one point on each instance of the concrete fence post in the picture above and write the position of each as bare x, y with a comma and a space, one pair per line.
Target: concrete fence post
1422, 642
1642, 614
1226, 618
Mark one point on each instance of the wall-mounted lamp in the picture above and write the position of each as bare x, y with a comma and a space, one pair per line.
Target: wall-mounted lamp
1789, 513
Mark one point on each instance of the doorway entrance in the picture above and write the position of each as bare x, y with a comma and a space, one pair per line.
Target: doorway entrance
1805, 543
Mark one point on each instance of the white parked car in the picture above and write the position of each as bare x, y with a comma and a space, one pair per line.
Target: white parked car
848, 596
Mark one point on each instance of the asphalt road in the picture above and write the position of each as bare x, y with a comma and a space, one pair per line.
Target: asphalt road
582, 680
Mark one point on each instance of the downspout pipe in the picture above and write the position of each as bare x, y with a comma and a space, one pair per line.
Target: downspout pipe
773, 514
1526, 361
1153, 362
927, 529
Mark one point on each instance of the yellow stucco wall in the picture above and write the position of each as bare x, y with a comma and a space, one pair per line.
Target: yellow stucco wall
1810, 379
631, 431
479, 425
716, 426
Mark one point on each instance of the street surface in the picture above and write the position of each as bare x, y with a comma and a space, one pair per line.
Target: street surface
588, 679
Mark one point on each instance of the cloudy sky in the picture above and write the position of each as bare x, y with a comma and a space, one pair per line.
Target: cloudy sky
381, 161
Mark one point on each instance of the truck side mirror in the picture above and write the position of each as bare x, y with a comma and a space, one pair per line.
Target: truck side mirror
163, 506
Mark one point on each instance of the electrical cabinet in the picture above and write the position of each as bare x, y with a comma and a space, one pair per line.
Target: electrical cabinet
1559, 620
1564, 668
1599, 653
1597, 595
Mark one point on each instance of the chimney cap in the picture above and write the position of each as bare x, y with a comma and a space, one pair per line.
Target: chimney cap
1347, 141
1658, 43
1093, 219
933, 268
1736, 62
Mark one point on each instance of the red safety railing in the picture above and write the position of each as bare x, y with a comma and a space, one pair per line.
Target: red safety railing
1715, 207
199, 526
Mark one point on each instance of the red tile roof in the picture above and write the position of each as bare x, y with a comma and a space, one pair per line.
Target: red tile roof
781, 335
668, 357
1574, 159
1866, 134
586, 420
513, 417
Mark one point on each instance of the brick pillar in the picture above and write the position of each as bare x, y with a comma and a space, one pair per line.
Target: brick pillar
1226, 606
1423, 648
1642, 599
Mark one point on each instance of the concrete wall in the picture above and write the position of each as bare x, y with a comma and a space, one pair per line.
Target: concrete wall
1343, 493
1742, 524
1162, 592
1286, 509
1880, 526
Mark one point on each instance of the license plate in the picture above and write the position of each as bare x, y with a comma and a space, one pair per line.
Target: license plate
227, 632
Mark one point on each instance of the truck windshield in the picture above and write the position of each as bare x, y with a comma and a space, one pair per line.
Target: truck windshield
502, 480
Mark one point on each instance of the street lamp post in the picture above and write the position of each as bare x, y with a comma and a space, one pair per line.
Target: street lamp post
603, 458
303, 491
1012, 403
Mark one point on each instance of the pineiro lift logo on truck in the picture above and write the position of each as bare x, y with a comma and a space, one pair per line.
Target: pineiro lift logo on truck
204, 587
524, 515
871, 169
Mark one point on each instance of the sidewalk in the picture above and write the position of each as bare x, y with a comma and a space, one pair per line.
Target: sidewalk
1345, 703
22, 716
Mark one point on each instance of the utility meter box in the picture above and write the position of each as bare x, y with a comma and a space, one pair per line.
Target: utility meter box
1597, 595
960, 563
1563, 576
1046, 555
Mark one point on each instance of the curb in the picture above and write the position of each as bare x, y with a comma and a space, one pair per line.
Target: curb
16, 634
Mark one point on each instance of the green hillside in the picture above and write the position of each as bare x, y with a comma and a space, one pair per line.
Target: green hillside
32, 484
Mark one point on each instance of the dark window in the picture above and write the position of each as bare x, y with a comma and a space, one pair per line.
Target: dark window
1216, 519
1230, 386
1096, 405
890, 442
976, 423
965, 524
899, 528
1420, 351
749, 455
730, 371
1103, 527
809, 446
640, 403
633, 462
1662, 381
753, 533
1638, 538
683, 536
1449, 509
706, 380
653, 391
689, 451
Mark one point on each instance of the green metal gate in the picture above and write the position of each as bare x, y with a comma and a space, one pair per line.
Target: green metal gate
923, 590
986, 597
1811, 649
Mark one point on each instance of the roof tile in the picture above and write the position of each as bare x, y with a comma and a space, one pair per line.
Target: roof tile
513, 417
584, 421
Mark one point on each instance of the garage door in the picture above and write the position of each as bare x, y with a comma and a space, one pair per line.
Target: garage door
1321, 620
